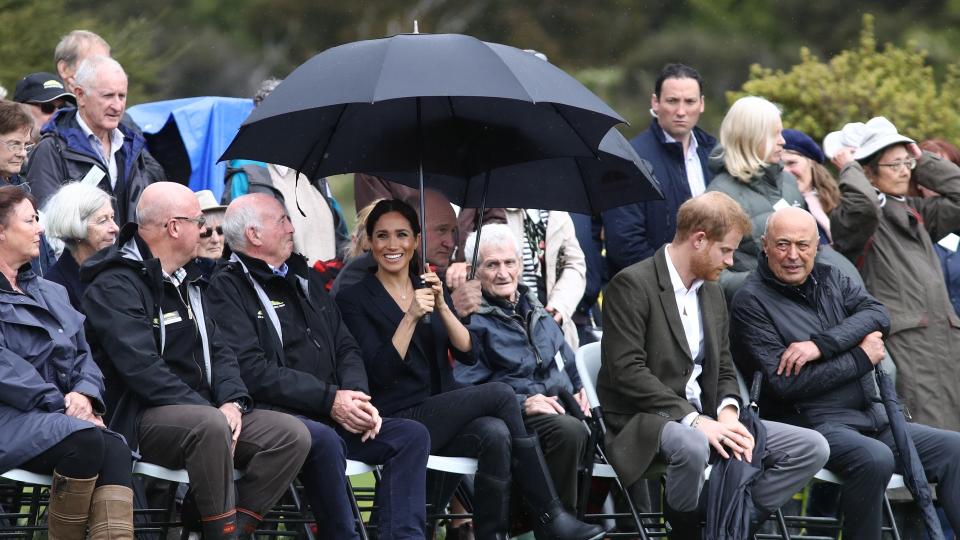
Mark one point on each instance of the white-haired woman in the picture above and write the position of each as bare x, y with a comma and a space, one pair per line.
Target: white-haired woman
81, 216
746, 166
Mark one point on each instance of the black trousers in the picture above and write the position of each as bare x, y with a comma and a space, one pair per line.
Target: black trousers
865, 462
474, 421
84, 454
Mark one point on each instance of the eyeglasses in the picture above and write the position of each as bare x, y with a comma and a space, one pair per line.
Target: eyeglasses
199, 220
207, 233
909, 163
17, 146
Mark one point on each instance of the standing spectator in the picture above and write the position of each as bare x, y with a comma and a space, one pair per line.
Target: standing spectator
73, 49
80, 216
889, 236
43, 94
176, 393
15, 128
321, 230
946, 247
678, 151
51, 392
88, 144
803, 159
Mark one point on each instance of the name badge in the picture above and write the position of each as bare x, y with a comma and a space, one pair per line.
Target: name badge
781, 204
558, 358
171, 318
950, 241
93, 176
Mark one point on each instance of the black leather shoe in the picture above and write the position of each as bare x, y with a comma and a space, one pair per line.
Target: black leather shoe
555, 523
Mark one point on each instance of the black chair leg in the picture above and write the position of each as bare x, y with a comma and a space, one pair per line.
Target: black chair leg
356, 511
888, 512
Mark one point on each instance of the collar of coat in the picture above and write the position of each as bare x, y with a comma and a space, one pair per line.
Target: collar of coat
296, 267
26, 279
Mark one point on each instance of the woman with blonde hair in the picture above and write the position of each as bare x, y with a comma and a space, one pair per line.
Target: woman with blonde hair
747, 167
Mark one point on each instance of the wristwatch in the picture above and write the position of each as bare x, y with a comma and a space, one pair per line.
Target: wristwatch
239, 404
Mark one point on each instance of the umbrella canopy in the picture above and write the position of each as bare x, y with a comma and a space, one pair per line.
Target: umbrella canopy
187, 135
454, 104
729, 504
586, 185
913, 475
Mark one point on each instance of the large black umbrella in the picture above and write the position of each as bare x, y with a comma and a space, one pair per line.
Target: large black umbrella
912, 468
446, 104
730, 507
586, 185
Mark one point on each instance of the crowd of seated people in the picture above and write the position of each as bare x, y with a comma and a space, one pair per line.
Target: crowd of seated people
194, 335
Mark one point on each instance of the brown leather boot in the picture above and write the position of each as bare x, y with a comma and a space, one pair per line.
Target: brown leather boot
111, 513
69, 507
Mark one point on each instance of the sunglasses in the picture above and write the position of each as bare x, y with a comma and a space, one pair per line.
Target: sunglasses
208, 232
49, 107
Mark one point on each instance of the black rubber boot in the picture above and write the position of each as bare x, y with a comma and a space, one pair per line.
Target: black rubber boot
491, 507
551, 520
247, 523
683, 525
223, 527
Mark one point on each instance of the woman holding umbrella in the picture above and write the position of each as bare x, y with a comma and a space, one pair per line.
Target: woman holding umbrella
411, 377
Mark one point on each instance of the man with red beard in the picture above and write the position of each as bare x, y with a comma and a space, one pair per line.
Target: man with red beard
668, 376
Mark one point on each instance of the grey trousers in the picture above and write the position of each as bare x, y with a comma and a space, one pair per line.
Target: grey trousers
270, 451
793, 455
563, 440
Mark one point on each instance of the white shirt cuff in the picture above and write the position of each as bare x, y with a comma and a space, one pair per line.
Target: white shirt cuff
688, 419
726, 402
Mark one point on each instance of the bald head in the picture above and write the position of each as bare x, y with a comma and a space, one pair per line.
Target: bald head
257, 225
168, 216
790, 244
441, 228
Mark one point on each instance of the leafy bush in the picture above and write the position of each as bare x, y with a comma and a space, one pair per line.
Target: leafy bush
860, 83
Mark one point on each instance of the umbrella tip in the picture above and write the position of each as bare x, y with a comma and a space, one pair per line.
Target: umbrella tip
416, 29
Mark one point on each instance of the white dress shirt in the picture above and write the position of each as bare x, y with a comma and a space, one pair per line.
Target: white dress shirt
688, 304
116, 142
691, 162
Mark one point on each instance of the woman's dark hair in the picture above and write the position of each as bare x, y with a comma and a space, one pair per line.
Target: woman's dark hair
11, 196
392, 205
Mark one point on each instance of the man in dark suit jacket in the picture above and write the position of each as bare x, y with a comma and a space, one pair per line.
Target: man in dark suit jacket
667, 382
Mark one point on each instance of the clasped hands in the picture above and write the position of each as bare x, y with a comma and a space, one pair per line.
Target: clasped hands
353, 410
727, 434
79, 406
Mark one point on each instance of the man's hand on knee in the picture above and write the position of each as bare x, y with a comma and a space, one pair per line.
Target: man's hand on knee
234, 420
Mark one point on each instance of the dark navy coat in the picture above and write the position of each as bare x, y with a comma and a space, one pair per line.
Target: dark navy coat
43, 356
634, 232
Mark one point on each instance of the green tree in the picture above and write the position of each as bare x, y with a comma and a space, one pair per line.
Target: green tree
857, 84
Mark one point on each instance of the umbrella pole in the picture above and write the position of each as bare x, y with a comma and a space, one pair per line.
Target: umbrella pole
483, 207
423, 208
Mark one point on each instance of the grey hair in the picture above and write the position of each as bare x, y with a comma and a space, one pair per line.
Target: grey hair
266, 88
86, 74
70, 46
69, 210
235, 223
494, 234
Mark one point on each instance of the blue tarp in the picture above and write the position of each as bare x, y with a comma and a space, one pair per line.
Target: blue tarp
206, 126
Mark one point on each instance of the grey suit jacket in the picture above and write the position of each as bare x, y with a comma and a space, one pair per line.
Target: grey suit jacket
647, 362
